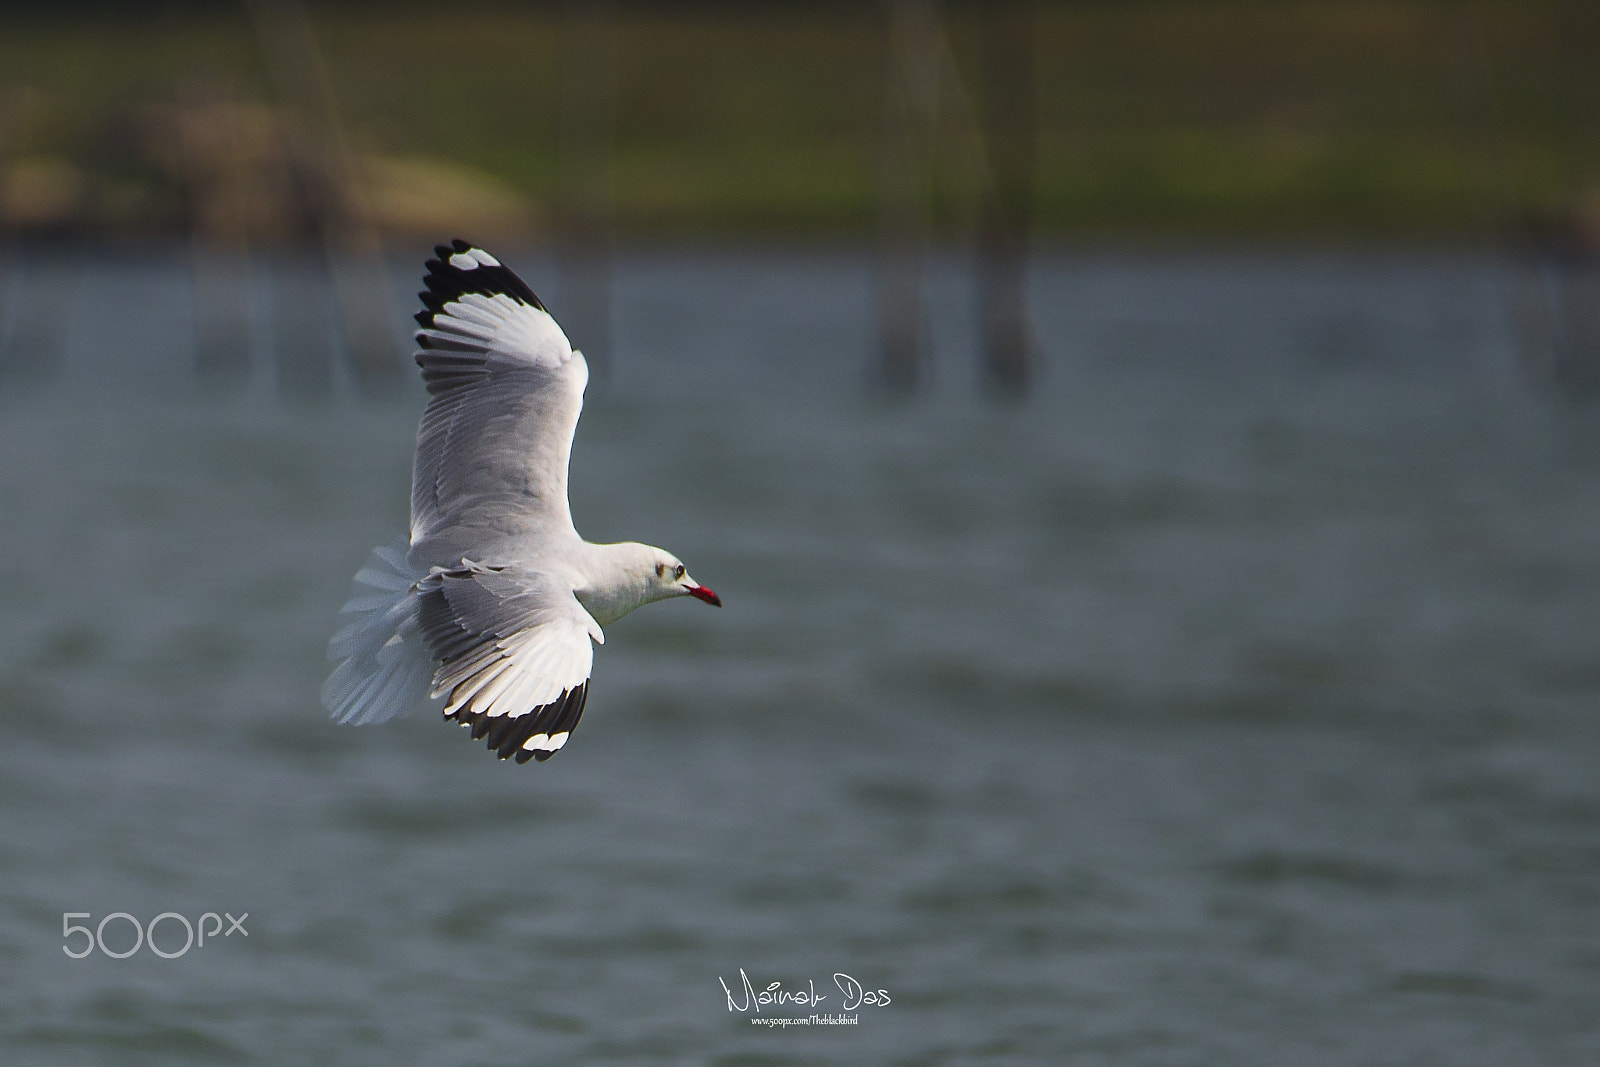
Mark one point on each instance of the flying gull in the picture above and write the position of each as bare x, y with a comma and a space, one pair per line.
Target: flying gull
493, 601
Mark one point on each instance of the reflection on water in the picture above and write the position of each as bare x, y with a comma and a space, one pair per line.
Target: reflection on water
1230, 700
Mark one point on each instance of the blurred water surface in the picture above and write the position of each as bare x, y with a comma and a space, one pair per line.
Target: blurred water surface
1230, 700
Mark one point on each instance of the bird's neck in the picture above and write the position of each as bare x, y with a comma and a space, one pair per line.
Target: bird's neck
616, 580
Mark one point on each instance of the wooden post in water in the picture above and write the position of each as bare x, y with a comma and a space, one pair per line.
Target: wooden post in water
1553, 288
351, 254
584, 229
1556, 309
221, 273
221, 150
302, 332
37, 277
912, 61
1010, 122
40, 281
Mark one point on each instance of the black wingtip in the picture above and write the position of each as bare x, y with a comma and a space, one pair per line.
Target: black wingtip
506, 735
446, 281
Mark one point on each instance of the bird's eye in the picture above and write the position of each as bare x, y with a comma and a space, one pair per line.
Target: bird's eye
677, 572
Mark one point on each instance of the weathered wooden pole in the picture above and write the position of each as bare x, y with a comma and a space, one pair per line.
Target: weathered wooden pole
326, 168
912, 65
42, 281
1010, 127
584, 239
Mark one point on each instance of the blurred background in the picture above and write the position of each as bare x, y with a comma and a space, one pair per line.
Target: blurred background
1147, 450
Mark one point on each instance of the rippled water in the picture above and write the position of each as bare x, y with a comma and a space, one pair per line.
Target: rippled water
1231, 700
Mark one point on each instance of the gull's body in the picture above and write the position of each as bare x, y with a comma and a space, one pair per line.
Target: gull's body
494, 601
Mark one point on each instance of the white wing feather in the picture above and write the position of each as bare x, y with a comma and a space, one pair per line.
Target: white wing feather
496, 438
514, 652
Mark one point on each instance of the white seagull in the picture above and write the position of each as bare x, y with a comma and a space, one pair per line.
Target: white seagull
493, 600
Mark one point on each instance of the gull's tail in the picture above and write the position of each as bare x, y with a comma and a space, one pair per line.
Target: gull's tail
385, 669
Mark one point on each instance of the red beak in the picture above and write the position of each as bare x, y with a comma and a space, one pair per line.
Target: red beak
707, 595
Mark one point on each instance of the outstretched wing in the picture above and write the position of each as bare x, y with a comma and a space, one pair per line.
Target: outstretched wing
514, 652
506, 388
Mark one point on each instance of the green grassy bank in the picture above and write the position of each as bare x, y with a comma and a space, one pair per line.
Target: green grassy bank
1405, 119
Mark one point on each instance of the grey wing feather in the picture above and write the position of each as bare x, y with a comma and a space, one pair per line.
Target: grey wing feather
514, 651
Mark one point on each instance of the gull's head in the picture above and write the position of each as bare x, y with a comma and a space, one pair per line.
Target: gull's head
627, 576
670, 579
